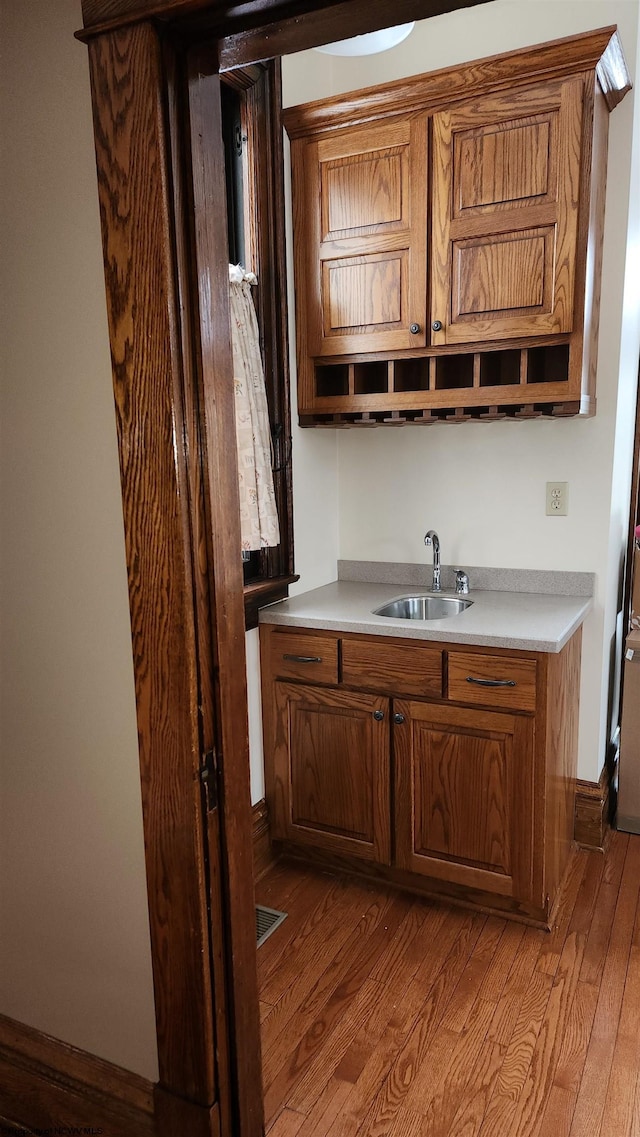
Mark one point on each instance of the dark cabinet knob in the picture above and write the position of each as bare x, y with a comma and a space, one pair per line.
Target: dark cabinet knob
378, 715
437, 325
414, 329
399, 719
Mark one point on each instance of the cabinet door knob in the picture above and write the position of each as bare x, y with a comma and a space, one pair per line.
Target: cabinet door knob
399, 719
414, 329
437, 325
378, 715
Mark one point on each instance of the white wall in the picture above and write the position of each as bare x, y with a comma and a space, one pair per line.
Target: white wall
482, 486
75, 956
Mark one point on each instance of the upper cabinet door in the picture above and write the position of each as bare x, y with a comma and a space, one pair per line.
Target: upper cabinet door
506, 180
360, 214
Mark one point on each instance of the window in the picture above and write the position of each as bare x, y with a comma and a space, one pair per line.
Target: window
251, 103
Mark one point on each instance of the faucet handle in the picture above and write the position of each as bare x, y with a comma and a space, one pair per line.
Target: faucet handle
462, 583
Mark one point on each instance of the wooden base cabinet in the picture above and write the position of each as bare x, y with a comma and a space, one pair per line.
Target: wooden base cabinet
464, 795
331, 770
452, 774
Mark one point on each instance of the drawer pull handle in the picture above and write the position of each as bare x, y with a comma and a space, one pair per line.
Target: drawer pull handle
378, 715
492, 682
303, 658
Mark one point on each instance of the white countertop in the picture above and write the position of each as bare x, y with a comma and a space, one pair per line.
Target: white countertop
525, 620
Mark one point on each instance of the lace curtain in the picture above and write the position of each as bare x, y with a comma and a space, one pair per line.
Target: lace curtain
258, 512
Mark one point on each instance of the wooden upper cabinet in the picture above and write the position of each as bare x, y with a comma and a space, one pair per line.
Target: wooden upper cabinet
360, 209
506, 178
448, 236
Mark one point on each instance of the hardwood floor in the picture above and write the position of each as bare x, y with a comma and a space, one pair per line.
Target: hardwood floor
388, 1016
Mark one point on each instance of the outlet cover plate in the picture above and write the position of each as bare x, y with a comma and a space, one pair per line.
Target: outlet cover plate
557, 499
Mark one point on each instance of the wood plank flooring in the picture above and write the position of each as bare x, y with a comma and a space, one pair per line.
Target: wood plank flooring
389, 1016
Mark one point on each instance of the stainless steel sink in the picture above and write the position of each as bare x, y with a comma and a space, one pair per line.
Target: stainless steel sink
422, 608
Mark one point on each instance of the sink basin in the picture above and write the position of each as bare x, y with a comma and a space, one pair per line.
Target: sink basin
422, 608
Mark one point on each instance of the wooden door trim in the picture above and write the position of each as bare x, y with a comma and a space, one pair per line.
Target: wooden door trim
200, 525
261, 29
227, 590
137, 223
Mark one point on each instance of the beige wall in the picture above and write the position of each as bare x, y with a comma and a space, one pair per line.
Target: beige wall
74, 957
483, 486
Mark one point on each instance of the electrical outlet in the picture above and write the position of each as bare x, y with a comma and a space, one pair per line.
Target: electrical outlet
557, 499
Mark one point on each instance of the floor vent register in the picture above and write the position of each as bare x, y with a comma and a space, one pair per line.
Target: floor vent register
267, 920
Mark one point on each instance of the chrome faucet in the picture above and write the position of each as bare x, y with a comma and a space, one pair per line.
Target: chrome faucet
431, 538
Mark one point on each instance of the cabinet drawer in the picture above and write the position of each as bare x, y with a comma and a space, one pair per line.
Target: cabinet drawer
405, 669
492, 680
304, 656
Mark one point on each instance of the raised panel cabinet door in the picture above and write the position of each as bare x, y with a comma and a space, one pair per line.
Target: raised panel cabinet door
506, 177
332, 771
464, 796
360, 217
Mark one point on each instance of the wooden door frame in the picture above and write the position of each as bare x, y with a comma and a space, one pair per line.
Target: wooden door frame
171, 364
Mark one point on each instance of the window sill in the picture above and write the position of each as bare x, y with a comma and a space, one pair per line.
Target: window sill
261, 592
